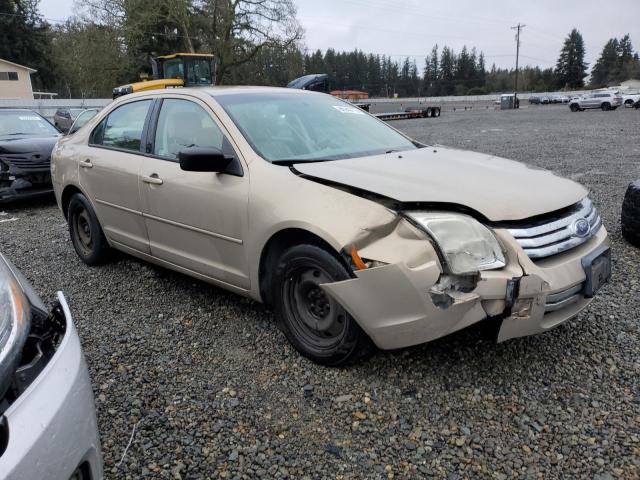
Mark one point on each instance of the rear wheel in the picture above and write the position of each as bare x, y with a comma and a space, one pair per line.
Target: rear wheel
606, 106
316, 324
86, 233
628, 103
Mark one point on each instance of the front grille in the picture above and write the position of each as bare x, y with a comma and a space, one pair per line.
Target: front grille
556, 301
27, 161
558, 234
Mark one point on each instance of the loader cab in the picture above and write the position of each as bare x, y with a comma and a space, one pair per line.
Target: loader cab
174, 71
194, 69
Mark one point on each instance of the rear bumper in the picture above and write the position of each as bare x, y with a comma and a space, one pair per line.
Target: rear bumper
52, 425
398, 306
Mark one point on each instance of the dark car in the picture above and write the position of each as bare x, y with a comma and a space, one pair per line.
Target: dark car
64, 118
26, 142
534, 100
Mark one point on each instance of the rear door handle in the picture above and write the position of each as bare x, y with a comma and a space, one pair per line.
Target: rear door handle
86, 163
152, 179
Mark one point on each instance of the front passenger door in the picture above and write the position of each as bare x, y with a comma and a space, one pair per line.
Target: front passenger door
195, 220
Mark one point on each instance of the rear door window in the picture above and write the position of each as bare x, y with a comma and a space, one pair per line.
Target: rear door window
122, 129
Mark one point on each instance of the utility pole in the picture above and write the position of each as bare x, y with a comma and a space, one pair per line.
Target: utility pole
515, 89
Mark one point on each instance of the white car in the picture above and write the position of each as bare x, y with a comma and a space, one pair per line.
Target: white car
48, 426
628, 99
602, 100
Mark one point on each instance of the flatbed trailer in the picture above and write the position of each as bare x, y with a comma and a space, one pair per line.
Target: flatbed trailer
429, 112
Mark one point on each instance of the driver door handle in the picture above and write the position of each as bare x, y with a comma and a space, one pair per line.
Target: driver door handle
152, 179
86, 163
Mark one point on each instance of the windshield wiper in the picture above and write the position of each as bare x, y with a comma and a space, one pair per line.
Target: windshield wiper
293, 161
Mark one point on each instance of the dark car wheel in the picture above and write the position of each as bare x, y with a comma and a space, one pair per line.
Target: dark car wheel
630, 218
574, 107
86, 233
316, 324
606, 106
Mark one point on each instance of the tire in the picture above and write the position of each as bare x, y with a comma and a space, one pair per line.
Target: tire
315, 324
86, 233
436, 112
628, 103
630, 218
429, 113
605, 106
574, 107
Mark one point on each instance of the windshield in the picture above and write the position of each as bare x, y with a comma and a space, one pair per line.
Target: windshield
25, 123
82, 119
289, 127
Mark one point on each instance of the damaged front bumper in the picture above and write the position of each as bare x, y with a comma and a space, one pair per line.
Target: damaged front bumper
25, 181
400, 304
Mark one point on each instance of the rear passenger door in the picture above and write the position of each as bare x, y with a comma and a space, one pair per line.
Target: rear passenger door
109, 167
196, 220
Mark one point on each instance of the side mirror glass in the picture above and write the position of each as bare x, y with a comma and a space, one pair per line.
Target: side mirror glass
208, 159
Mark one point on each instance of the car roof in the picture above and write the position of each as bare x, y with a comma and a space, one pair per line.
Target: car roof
219, 91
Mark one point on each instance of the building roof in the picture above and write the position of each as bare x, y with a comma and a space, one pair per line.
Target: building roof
30, 70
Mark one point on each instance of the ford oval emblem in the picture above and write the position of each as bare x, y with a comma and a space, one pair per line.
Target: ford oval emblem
581, 228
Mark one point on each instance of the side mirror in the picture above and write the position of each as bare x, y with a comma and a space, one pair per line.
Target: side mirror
208, 159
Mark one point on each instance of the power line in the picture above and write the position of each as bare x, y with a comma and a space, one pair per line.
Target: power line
515, 89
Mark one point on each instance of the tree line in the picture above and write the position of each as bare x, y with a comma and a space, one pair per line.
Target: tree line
261, 42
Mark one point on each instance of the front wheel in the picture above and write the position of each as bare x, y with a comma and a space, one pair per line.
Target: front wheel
574, 107
315, 323
85, 231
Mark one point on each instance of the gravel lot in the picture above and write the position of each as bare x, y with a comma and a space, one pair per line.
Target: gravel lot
214, 390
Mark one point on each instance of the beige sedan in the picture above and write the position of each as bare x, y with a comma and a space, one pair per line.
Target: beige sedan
355, 234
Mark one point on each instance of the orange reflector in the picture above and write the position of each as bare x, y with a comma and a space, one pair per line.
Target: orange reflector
356, 259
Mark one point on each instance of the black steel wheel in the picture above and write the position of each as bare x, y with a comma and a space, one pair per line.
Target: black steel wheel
315, 323
85, 231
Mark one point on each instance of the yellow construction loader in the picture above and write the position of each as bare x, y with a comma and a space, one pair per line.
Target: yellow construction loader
173, 71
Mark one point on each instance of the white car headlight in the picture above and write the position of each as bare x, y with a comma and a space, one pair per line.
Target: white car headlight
466, 245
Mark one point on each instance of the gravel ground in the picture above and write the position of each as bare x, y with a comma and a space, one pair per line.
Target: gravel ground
214, 390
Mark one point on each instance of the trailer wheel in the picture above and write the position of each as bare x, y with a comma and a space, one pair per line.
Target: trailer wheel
428, 113
436, 112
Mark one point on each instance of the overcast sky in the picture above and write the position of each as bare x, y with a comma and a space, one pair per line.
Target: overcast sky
403, 28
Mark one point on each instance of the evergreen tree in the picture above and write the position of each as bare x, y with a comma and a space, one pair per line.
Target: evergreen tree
606, 68
571, 67
447, 74
25, 39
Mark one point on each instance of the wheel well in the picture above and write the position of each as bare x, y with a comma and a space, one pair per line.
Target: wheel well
68, 192
276, 246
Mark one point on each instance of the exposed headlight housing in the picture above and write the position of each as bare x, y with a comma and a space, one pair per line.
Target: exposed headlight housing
466, 245
15, 318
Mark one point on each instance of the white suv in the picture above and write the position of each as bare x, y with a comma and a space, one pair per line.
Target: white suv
602, 100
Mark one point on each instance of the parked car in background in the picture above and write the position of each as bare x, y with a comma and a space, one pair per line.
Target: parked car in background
26, 142
82, 119
534, 100
628, 99
48, 426
630, 218
602, 100
559, 99
544, 100
64, 117
353, 232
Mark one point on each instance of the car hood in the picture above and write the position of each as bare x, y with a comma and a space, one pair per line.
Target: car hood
28, 144
497, 188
